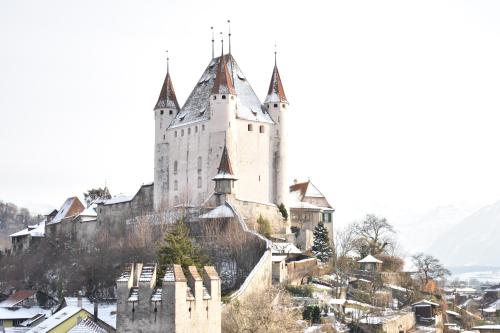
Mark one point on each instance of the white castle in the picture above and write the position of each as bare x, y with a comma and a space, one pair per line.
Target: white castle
221, 112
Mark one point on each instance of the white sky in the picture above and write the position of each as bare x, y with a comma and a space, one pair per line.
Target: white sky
394, 104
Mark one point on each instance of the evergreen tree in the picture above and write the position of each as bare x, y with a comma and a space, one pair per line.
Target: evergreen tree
283, 211
321, 246
95, 194
178, 249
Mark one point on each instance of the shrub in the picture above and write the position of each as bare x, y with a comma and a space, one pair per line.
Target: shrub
264, 226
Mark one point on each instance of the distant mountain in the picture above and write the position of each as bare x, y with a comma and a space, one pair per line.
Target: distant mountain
13, 219
417, 232
474, 241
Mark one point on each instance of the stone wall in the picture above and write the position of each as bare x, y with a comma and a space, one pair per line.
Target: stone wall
399, 324
250, 212
297, 270
113, 217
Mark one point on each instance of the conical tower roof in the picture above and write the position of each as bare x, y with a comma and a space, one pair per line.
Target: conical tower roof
276, 93
225, 171
223, 83
167, 97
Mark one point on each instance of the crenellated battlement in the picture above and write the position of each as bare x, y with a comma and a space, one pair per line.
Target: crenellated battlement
178, 302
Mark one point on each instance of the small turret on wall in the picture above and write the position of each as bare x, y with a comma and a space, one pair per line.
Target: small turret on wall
182, 304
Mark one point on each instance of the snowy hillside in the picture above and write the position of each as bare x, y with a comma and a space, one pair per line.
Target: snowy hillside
473, 241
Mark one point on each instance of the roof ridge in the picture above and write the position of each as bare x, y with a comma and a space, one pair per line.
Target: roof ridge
223, 79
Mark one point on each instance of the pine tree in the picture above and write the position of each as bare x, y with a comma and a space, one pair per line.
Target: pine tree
321, 246
178, 248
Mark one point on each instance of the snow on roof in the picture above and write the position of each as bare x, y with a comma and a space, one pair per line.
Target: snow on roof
87, 326
120, 198
278, 258
147, 272
71, 207
248, 105
221, 211
424, 302
276, 93
370, 259
89, 211
22, 313
37, 230
16, 329
17, 298
284, 248
487, 327
56, 319
106, 311
453, 313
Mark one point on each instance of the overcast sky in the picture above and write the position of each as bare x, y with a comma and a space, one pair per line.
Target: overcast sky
393, 104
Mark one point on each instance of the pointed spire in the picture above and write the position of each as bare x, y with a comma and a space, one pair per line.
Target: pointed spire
223, 83
167, 98
229, 35
276, 93
225, 163
225, 171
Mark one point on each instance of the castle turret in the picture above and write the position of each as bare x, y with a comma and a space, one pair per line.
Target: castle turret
223, 97
165, 110
277, 106
224, 180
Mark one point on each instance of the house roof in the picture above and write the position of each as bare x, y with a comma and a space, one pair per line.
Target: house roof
22, 313
37, 230
57, 319
222, 211
424, 302
306, 190
167, 98
248, 105
17, 298
284, 248
276, 93
71, 207
487, 327
87, 326
370, 259
107, 311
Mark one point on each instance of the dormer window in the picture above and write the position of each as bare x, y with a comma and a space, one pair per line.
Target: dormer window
223, 96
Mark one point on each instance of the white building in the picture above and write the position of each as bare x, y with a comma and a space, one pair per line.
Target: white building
221, 111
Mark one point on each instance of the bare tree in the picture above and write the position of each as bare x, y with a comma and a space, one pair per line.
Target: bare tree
428, 267
269, 311
374, 235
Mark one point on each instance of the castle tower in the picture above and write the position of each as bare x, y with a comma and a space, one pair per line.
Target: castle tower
166, 109
277, 106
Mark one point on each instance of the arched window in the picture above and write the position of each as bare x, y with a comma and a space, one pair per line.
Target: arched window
175, 167
189, 130
250, 127
199, 181
176, 185
182, 132
196, 129
223, 96
203, 127
261, 128
199, 164
161, 112
170, 112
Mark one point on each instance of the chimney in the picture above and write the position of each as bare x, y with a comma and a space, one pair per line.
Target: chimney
79, 299
96, 310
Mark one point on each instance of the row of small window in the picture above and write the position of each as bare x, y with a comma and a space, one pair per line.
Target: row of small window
189, 130
224, 97
276, 105
261, 128
198, 183
170, 112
